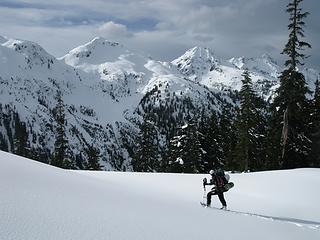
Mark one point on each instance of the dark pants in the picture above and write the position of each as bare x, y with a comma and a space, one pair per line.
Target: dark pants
220, 195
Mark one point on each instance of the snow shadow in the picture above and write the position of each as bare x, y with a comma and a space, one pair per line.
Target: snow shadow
296, 221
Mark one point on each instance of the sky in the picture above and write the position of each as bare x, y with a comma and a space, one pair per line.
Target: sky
162, 29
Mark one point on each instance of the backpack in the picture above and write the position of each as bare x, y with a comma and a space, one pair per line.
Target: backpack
228, 184
221, 181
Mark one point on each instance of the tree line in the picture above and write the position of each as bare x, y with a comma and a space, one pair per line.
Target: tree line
260, 136
19, 138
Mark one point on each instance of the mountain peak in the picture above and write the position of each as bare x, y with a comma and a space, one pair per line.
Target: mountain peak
102, 41
99, 50
199, 53
33, 52
196, 62
24, 46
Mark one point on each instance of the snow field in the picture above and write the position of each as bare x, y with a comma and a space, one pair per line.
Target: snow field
38, 201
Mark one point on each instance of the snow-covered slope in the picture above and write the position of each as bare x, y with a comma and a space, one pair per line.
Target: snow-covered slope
108, 90
30, 79
200, 64
264, 65
43, 202
196, 62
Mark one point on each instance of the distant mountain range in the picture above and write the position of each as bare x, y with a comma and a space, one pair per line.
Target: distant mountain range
108, 89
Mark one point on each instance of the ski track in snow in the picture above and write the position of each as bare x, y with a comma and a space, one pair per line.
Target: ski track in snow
298, 222
43, 202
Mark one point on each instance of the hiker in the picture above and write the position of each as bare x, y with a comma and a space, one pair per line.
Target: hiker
219, 180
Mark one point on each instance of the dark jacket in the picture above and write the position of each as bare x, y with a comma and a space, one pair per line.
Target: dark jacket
218, 180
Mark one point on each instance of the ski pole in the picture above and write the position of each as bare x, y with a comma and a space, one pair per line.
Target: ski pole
204, 190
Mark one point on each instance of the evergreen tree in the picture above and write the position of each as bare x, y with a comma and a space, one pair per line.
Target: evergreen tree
20, 140
273, 151
211, 142
174, 161
251, 129
15, 139
40, 154
290, 108
93, 158
146, 158
3, 143
315, 132
295, 45
61, 142
185, 151
227, 129
79, 160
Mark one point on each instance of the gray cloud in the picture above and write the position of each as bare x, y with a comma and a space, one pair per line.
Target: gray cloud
161, 28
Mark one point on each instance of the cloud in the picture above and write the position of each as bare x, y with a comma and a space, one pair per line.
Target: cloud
162, 28
113, 30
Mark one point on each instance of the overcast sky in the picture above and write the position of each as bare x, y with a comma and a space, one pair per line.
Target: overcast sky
163, 29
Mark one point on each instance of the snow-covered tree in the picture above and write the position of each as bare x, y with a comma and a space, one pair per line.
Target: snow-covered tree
185, 151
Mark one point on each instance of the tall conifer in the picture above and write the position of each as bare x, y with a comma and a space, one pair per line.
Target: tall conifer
93, 155
60, 145
146, 158
250, 127
290, 106
315, 133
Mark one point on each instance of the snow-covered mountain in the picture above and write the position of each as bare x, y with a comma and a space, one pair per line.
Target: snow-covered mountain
109, 89
196, 63
30, 80
201, 65
44, 202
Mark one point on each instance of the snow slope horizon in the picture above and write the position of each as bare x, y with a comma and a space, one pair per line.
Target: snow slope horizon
39, 201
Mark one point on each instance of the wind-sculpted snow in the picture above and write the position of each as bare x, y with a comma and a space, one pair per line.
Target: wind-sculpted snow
43, 202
